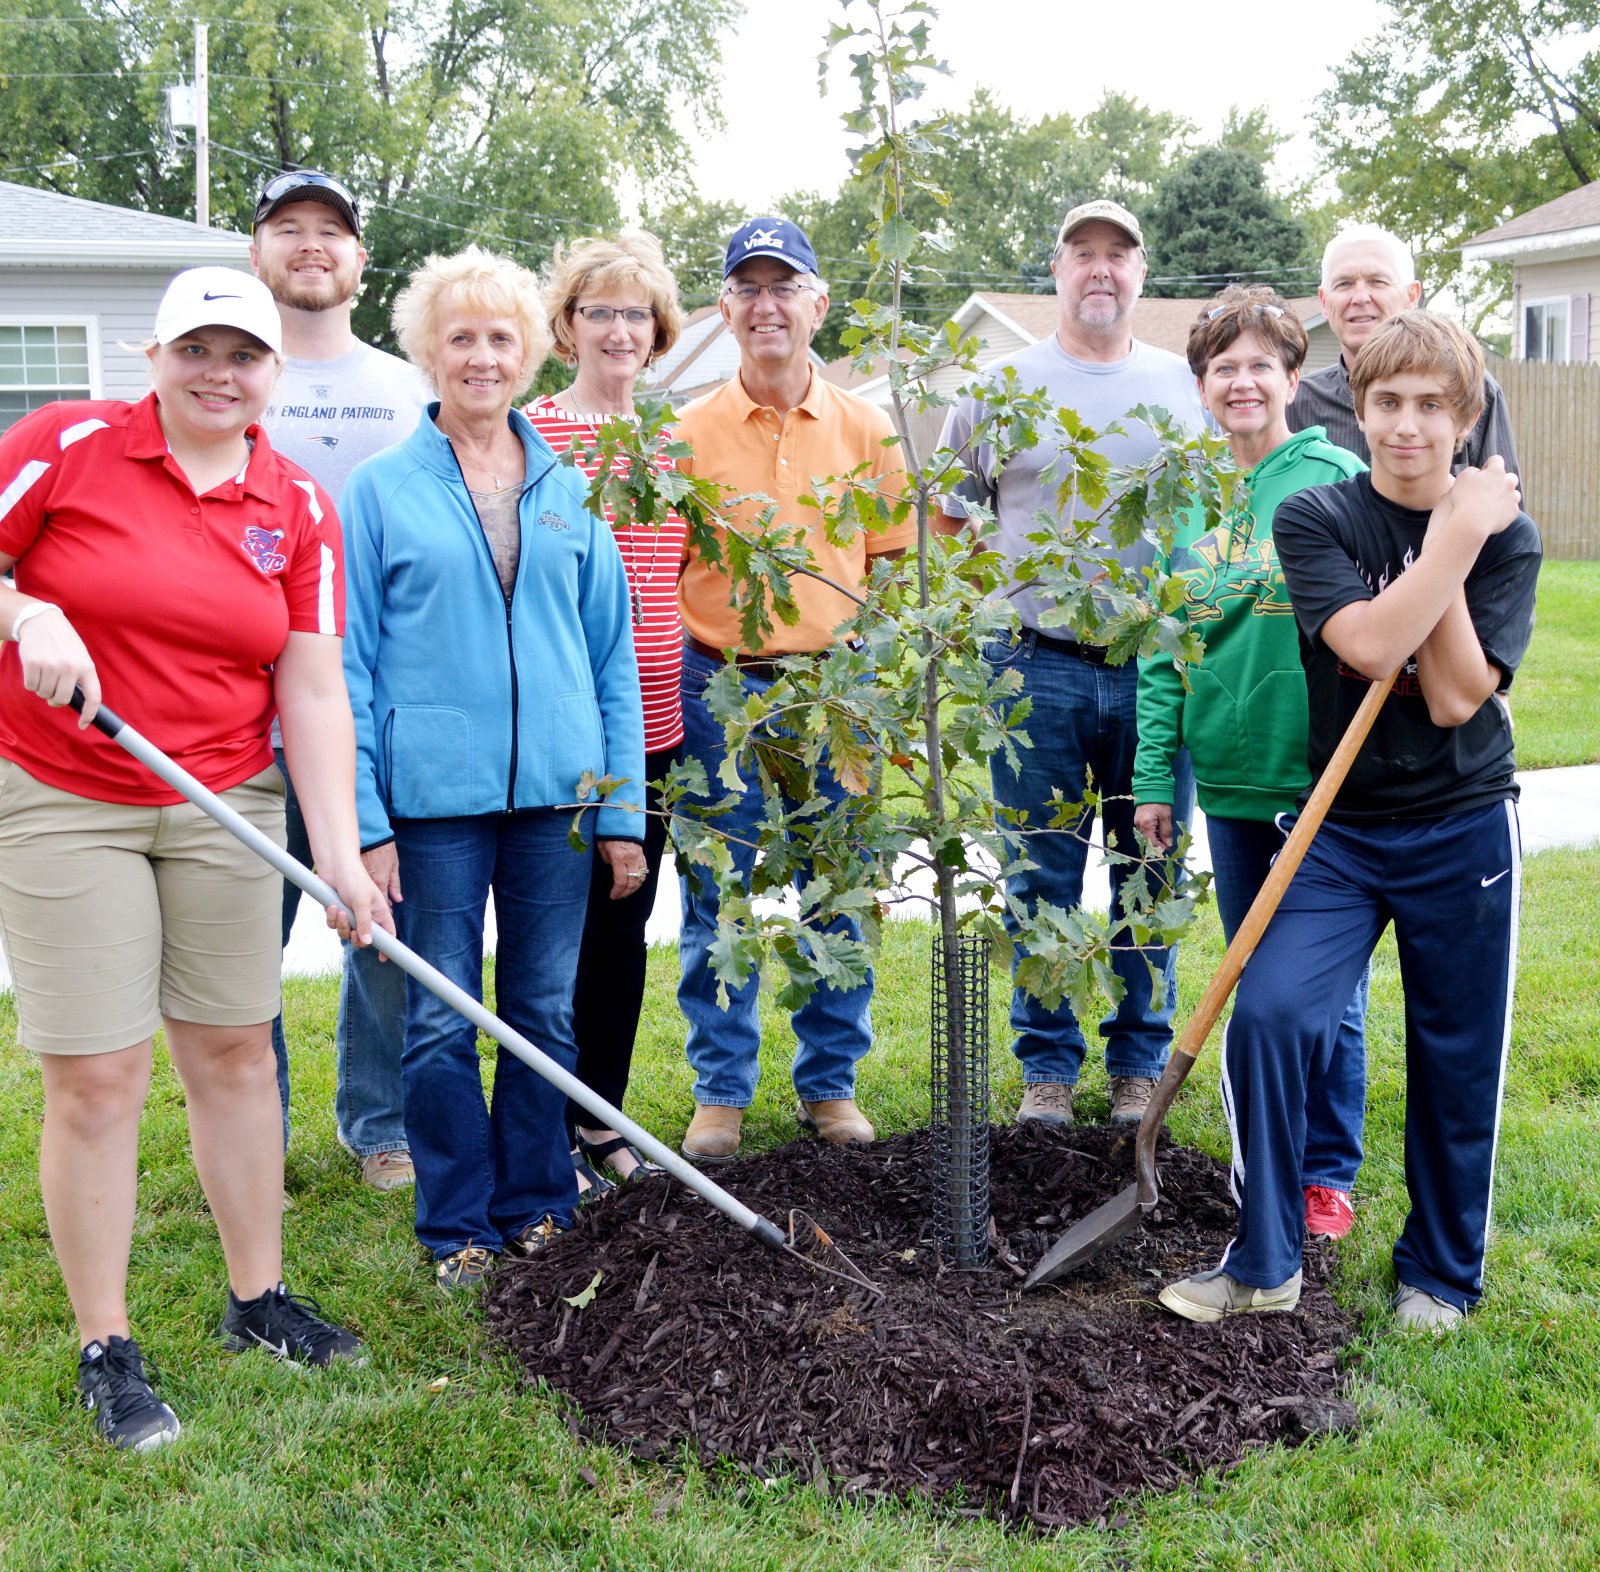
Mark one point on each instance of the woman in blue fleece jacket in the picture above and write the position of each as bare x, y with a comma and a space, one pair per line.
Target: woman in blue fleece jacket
490, 662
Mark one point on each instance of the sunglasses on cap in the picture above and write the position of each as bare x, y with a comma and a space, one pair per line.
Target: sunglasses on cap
281, 186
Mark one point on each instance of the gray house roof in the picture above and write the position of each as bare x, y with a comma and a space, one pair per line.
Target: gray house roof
44, 229
1564, 227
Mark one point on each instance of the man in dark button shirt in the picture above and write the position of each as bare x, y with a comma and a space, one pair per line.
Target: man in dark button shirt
1367, 276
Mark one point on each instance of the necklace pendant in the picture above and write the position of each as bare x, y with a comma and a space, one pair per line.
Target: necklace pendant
638, 606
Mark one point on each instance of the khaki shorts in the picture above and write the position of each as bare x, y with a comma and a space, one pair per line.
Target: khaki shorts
115, 915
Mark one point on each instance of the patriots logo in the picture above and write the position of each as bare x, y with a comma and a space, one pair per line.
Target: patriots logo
763, 237
327, 442
261, 547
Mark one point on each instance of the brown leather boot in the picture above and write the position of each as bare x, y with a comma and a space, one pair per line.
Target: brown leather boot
836, 1120
713, 1133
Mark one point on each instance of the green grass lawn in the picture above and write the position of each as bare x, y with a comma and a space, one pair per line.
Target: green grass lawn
1482, 1450
1556, 697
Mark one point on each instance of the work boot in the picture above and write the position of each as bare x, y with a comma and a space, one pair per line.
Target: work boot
1130, 1096
1209, 1296
836, 1120
1329, 1214
1416, 1310
713, 1133
1046, 1102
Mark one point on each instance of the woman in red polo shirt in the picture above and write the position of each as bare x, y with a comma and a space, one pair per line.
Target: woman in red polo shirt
163, 552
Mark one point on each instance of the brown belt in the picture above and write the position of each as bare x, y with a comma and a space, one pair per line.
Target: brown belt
763, 667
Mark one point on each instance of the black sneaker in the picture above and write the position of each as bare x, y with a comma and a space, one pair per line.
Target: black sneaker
116, 1386
289, 1328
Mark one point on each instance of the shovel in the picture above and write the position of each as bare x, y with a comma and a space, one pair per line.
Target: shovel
1120, 1215
805, 1243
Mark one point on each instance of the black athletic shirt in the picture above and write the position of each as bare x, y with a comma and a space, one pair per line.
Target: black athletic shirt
1345, 543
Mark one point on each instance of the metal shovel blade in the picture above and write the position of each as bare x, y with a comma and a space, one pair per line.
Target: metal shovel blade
1107, 1223
813, 1245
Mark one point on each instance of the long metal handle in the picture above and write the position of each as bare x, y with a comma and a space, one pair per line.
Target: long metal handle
608, 1117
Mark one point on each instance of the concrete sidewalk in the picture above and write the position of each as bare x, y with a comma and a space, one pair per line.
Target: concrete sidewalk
1558, 808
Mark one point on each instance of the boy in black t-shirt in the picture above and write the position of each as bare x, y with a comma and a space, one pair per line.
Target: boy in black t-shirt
1404, 565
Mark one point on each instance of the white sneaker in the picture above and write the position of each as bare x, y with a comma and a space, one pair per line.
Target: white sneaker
1209, 1296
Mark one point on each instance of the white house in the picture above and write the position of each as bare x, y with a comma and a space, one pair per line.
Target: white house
79, 286
1554, 251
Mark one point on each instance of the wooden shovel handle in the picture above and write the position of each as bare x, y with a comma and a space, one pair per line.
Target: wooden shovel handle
1194, 1034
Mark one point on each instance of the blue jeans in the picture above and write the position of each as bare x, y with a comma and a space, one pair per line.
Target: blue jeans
484, 1174
1082, 724
300, 849
371, 1031
1336, 1092
834, 1026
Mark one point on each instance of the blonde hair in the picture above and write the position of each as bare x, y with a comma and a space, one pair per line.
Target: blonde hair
474, 281
1420, 343
592, 266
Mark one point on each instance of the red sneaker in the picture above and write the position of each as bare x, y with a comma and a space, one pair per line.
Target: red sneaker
1329, 1214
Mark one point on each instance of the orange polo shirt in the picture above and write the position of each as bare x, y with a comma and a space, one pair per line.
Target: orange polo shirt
745, 445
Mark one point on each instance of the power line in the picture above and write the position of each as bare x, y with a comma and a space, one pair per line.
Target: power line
86, 158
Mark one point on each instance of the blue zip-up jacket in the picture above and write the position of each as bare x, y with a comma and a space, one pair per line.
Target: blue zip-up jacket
465, 704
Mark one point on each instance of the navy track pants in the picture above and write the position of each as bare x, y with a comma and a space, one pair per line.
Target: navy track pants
1452, 886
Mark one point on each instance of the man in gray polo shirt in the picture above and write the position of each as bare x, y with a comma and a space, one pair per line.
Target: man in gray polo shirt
337, 402
1082, 720
1367, 276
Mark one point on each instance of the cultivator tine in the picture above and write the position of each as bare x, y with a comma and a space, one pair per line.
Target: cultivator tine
811, 1244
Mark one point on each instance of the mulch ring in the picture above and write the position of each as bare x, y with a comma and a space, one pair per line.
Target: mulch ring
1048, 1408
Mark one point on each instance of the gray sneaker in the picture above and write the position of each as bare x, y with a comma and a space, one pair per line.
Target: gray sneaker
1416, 1310
1209, 1296
1046, 1102
1130, 1096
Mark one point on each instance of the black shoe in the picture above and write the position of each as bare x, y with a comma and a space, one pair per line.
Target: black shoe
116, 1386
592, 1184
289, 1328
463, 1268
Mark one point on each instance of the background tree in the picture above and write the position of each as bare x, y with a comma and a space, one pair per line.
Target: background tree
1214, 222
1458, 116
510, 122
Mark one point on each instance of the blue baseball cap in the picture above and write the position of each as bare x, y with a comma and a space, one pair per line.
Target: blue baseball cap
770, 237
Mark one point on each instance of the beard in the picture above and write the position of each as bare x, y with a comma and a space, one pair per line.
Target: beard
323, 293
1098, 313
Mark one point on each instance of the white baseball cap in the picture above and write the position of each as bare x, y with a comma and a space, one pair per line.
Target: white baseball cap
219, 297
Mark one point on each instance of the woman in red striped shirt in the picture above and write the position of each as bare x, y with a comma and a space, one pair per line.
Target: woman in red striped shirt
613, 307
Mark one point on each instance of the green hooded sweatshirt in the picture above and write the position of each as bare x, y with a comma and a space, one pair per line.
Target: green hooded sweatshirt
1244, 718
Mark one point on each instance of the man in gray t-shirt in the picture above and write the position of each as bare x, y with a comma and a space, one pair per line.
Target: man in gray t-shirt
338, 401
1082, 722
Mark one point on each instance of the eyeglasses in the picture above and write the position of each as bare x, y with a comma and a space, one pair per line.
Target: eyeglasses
785, 290
601, 316
1269, 311
297, 180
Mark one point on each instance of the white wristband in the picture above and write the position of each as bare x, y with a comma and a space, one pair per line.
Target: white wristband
32, 610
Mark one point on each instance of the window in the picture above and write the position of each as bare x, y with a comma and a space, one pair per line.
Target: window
39, 363
1546, 330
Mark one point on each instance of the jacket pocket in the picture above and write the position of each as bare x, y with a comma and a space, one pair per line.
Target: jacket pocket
576, 743
429, 759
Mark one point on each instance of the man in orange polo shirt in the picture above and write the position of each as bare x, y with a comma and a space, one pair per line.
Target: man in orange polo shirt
772, 429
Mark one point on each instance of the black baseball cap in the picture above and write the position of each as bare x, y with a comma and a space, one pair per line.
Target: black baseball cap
307, 185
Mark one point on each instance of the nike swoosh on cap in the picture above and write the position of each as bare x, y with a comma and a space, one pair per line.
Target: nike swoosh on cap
209, 296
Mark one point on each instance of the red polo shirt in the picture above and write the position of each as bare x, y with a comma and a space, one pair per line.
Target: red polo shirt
183, 602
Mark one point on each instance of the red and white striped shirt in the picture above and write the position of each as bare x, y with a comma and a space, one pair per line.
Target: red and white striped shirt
650, 557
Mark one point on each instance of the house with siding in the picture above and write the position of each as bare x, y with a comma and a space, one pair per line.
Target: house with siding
79, 286
1554, 252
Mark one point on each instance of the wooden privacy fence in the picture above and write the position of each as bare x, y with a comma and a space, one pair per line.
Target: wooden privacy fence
1555, 414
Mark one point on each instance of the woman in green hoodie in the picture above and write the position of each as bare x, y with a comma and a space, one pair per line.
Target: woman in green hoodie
1243, 713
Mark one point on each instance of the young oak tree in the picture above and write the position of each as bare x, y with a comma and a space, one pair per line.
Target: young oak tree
903, 709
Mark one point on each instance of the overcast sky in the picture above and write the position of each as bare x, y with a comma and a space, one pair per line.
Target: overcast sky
1036, 57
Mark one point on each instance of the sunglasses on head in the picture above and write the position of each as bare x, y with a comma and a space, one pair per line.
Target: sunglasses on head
297, 180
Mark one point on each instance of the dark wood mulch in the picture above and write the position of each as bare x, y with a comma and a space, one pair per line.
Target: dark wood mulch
1048, 1408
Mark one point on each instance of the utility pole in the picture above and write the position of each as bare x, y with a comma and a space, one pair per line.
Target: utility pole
202, 129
